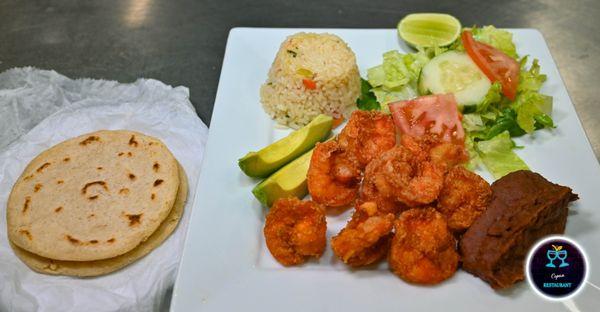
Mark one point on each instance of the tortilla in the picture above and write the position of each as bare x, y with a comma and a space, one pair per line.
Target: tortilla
93, 197
101, 267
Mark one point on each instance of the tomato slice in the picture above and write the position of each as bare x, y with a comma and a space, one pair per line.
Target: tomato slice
496, 65
430, 114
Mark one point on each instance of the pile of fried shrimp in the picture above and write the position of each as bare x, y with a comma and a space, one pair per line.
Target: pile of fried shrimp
412, 199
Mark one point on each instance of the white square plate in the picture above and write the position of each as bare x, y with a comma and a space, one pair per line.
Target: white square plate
225, 265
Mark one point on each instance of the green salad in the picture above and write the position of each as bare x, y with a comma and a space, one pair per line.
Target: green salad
493, 111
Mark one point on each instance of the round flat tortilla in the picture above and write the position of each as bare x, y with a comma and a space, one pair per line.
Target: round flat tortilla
101, 267
93, 197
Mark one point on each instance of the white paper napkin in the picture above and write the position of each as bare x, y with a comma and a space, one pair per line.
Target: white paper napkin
41, 108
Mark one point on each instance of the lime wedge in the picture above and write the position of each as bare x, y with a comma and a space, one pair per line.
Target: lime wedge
429, 29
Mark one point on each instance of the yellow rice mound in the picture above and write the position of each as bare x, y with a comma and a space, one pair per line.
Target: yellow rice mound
324, 59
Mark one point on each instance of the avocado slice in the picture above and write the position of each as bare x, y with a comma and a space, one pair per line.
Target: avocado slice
266, 161
286, 182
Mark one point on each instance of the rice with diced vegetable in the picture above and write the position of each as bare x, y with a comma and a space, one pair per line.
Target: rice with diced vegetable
312, 74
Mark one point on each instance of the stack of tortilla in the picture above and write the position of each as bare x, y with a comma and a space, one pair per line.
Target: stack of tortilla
95, 203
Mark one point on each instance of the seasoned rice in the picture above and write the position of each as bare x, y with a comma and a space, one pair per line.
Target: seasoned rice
323, 58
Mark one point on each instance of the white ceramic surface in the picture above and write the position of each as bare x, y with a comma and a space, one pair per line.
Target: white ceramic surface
226, 266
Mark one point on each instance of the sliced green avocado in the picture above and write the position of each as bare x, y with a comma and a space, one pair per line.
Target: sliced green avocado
266, 161
286, 182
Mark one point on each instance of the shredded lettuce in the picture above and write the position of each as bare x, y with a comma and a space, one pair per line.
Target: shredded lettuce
498, 156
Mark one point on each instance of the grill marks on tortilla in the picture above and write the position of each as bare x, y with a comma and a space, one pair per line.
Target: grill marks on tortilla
26, 204
134, 219
42, 167
89, 140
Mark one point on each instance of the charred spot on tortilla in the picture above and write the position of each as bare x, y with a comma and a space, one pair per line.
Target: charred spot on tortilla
37, 187
93, 197
158, 182
42, 167
121, 154
26, 233
153, 196
26, 204
66, 159
28, 177
94, 241
131, 176
112, 240
58, 209
132, 141
60, 182
102, 183
155, 166
89, 140
72, 240
134, 219
124, 191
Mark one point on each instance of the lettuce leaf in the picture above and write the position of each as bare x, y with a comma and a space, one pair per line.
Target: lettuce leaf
493, 96
529, 106
530, 80
497, 38
498, 157
396, 78
366, 100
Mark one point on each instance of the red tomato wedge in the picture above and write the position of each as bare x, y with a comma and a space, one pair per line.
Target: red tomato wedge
433, 114
496, 65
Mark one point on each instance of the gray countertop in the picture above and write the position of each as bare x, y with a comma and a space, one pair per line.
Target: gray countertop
182, 42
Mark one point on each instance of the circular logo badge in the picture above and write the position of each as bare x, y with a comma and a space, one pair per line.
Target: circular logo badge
556, 268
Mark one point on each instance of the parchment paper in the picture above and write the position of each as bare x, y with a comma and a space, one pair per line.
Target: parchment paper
39, 109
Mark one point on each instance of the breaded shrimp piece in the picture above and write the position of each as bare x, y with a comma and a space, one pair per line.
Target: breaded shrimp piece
333, 175
464, 197
295, 230
365, 239
367, 135
400, 174
423, 251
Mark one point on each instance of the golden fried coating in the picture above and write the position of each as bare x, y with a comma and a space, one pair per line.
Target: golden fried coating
368, 134
399, 173
464, 196
295, 230
365, 239
423, 250
333, 175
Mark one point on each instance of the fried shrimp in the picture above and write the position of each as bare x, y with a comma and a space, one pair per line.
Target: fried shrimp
430, 147
334, 175
464, 196
367, 135
400, 174
423, 251
365, 239
295, 230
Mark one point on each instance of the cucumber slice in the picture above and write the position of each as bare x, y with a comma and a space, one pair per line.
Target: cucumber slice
455, 72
